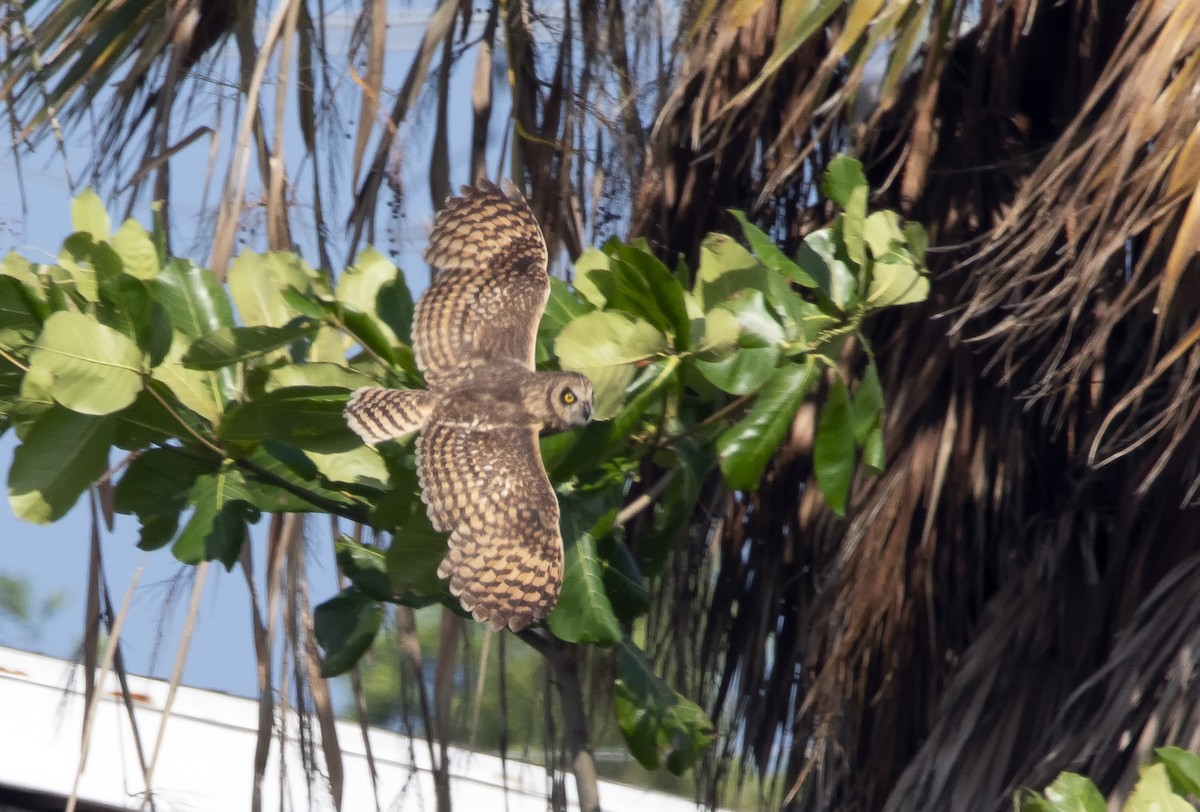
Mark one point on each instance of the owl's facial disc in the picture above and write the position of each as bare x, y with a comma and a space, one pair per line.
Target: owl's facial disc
573, 399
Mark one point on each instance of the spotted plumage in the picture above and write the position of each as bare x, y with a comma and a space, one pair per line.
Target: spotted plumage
478, 461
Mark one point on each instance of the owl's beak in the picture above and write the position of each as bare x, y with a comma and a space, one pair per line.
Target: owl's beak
587, 412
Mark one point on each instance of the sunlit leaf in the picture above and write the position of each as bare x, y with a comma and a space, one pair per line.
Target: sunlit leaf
88, 215
896, 281
96, 370
138, 255
257, 282
194, 299
1153, 792
604, 345
819, 255
743, 372
771, 256
726, 270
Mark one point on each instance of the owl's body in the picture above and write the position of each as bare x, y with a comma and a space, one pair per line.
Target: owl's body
478, 458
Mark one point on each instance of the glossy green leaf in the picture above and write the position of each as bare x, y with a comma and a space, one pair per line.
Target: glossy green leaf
819, 255
584, 613
1183, 768
646, 288
229, 345
662, 727
194, 299
63, 453
1068, 793
88, 215
345, 626
771, 256
138, 255
874, 454
217, 527
365, 566
746, 447
367, 331
833, 449
309, 417
742, 372
757, 325
96, 370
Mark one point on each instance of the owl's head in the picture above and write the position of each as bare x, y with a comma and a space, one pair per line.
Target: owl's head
570, 400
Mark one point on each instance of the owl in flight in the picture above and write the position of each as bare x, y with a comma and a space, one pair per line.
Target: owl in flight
478, 460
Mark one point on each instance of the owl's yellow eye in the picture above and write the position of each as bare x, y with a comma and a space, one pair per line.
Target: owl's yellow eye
568, 397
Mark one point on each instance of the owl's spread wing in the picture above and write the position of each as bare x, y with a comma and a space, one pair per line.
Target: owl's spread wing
491, 287
488, 489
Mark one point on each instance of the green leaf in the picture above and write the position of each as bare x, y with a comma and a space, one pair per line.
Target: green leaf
590, 268
136, 250
195, 301
1069, 793
873, 451
361, 465
205, 393
662, 727
88, 215
217, 528
1152, 793
317, 374
413, 558
96, 370
155, 487
833, 449
229, 345
345, 626
126, 305
770, 255
743, 372
374, 286
867, 410
309, 417
1183, 767
367, 330
746, 447
726, 270
645, 287
366, 567
843, 178
19, 321
820, 256
896, 281
63, 453
257, 283
757, 325
623, 582
605, 345
584, 613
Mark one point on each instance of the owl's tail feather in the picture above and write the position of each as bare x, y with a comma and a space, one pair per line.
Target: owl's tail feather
385, 414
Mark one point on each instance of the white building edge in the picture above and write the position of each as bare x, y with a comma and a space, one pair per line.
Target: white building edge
207, 756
